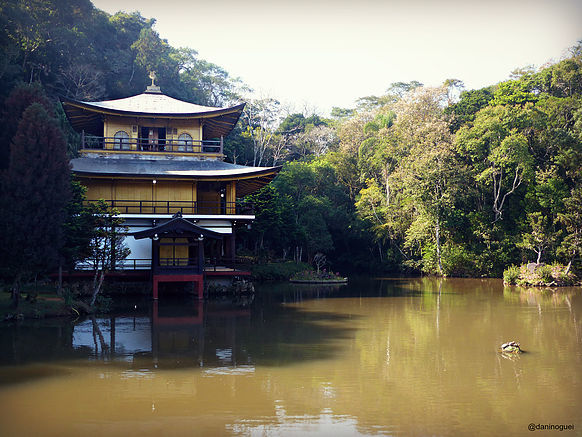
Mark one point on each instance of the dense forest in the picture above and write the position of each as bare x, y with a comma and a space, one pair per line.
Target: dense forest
442, 181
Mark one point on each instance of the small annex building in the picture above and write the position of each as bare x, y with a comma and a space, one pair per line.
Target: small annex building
159, 161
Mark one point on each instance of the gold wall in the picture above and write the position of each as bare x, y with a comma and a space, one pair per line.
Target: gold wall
170, 253
133, 125
128, 194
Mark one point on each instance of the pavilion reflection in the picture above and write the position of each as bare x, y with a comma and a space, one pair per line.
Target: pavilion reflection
172, 335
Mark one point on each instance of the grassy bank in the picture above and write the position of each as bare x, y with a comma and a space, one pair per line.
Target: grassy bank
277, 271
44, 305
540, 275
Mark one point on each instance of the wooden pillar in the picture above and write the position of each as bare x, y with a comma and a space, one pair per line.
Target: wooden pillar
233, 245
201, 256
231, 197
201, 287
155, 288
155, 262
194, 197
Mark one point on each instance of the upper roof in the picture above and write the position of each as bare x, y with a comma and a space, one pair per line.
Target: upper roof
87, 116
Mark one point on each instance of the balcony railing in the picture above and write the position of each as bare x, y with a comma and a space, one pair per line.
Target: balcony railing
210, 264
151, 145
185, 207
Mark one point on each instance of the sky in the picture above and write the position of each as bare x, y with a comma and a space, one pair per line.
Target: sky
313, 55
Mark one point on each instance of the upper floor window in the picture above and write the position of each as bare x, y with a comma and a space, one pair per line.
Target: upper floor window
121, 140
185, 142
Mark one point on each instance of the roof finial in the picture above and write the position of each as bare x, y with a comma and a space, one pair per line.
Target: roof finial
153, 88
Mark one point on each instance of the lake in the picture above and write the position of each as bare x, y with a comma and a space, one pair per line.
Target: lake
406, 357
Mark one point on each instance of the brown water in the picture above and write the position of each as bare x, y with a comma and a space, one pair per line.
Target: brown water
391, 357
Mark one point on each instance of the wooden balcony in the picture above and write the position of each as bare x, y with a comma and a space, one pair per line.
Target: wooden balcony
152, 145
185, 207
177, 264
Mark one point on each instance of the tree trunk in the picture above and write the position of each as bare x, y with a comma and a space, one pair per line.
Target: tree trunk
97, 287
16, 291
98, 334
539, 257
60, 286
568, 268
438, 246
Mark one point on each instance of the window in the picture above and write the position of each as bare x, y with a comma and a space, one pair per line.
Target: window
121, 140
185, 142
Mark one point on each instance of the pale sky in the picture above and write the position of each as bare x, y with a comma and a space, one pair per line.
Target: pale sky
320, 54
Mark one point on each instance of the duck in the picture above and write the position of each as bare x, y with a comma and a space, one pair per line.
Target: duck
511, 347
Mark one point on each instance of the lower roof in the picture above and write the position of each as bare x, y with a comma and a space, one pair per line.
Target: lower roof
178, 226
249, 179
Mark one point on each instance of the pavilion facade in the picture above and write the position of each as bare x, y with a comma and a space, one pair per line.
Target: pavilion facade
159, 161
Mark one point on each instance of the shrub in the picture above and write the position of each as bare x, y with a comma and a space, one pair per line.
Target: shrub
310, 275
545, 273
277, 271
511, 275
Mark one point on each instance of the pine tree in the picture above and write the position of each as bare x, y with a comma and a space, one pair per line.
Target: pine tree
21, 97
35, 192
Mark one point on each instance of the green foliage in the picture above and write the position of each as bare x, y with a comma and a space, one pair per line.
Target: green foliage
470, 103
540, 236
280, 271
571, 219
35, 190
78, 51
415, 178
106, 246
310, 275
511, 275
544, 272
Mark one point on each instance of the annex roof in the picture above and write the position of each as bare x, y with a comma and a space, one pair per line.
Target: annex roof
178, 226
88, 116
249, 179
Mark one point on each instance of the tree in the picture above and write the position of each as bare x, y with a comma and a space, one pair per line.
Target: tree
79, 225
540, 236
82, 82
151, 52
571, 219
35, 192
106, 246
262, 117
466, 108
498, 151
19, 99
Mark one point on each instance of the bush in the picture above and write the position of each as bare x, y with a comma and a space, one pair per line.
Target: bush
310, 275
545, 273
458, 262
511, 275
277, 271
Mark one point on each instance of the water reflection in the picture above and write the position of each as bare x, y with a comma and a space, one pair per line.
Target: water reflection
390, 356
175, 333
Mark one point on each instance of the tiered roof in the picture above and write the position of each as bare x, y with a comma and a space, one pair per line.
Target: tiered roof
87, 116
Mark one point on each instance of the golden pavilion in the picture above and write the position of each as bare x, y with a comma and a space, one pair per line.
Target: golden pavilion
159, 161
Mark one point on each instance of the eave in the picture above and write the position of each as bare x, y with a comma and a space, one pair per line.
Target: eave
84, 116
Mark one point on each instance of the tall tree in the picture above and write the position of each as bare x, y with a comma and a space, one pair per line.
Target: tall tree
35, 192
19, 99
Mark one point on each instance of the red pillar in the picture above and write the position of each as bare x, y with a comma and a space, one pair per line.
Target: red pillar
201, 288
